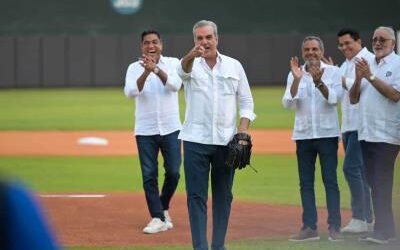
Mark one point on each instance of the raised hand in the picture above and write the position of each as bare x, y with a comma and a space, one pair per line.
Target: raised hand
316, 73
363, 69
295, 69
147, 62
197, 51
327, 60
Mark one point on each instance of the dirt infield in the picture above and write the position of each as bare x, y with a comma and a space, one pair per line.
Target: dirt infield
118, 219
53, 143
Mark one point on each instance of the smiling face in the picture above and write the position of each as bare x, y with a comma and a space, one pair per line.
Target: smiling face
151, 46
348, 46
205, 37
382, 43
312, 52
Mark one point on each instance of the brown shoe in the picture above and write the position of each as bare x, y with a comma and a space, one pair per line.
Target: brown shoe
335, 235
305, 234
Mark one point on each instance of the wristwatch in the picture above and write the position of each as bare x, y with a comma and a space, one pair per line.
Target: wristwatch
156, 70
371, 77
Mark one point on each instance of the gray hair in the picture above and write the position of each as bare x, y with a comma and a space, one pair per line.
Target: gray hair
388, 30
316, 38
203, 23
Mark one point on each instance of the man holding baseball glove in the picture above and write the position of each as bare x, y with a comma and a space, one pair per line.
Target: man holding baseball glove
215, 85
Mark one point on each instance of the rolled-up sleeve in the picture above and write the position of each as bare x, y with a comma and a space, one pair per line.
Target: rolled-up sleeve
132, 74
335, 90
288, 101
174, 82
181, 73
245, 98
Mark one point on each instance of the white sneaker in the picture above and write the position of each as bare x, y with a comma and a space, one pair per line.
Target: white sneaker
355, 226
168, 220
155, 226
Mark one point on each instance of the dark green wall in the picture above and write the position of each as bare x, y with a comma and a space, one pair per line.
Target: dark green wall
178, 16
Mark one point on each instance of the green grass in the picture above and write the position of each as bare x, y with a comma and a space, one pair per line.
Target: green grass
106, 109
351, 243
276, 180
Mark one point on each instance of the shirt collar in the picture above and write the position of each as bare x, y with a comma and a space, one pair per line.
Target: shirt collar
322, 66
387, 59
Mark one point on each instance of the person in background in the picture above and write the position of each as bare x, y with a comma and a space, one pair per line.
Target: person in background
154, 84
349, 43
313, 92
377, 90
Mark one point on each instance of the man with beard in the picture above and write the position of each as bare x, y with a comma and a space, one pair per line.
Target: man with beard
313, 91
154, 84
377, 89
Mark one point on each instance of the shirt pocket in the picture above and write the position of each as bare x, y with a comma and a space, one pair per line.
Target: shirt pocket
301, 123
228, 84
199, 81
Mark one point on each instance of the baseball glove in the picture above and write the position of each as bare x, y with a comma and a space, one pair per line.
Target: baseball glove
239, 151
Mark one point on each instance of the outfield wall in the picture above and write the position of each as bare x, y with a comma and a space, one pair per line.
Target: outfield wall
101, 60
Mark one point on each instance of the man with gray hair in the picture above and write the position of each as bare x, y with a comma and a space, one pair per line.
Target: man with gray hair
313, 92
377, 89
215, 86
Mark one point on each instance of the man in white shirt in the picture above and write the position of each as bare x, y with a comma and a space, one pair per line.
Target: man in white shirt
215, 85
349, 43
313, 91
154, 83
377, 90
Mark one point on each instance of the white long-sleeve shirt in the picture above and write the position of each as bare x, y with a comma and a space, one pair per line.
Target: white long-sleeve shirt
379, 116
316, 117
212, 99
350, 112
157, 107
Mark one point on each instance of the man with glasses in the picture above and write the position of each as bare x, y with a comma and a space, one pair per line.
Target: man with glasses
349, 43
313, 91
377, 89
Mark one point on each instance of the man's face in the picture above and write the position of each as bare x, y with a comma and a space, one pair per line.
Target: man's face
348, 46
151, 46
205, 37
382, 44
311, 52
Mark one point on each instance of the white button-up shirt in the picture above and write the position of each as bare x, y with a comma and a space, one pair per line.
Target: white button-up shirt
379, 116
212, 98
157, 107
350, 111
316, 117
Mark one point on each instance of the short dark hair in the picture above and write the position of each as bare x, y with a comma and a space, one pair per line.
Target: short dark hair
148, 32
349, 31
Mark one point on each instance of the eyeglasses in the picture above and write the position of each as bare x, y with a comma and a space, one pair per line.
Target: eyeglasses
381, 40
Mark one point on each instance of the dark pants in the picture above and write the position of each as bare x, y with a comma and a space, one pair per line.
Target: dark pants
354, 172
198, 160
307, 151
148, 147
379, 159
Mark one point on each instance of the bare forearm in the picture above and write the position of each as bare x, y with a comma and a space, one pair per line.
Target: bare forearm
294, 88
243, 125
141, 80
355, 90
386, 90
187, 62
